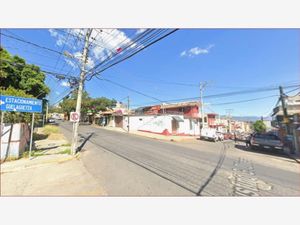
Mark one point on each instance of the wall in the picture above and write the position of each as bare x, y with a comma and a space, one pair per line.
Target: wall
152, 123
189, 127
19, 140
161, 124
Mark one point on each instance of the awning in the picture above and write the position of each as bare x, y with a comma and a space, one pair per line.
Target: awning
177, 118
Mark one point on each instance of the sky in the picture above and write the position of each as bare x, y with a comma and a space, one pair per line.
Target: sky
228, 60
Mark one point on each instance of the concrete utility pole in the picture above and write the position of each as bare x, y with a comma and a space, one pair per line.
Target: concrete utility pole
80, 88
128, 113
201, 86
284, 109
229, 119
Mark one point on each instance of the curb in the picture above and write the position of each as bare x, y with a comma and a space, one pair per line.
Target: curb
294, 158
140, 135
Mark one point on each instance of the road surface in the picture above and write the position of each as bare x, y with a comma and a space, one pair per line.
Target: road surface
131, 165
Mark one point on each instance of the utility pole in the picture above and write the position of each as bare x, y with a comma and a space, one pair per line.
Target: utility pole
201, 87
80, 88
284, 109
128, 113
229, 119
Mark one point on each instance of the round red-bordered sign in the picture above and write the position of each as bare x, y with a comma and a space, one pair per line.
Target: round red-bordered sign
74, 117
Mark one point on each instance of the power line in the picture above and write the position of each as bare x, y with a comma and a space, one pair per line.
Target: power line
124, 48
130, 89
31, 43
31, 52
242, 101
127, 57
262, 89
133, 45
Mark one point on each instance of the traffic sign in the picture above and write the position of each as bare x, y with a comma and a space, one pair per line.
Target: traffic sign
74, 117
20, 104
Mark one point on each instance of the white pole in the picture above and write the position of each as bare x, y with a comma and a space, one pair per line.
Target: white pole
31, 135
80, 89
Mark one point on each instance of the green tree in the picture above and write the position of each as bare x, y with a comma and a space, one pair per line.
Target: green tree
100, 104
89, 105
259, 126
15, 73
20, 79
69, 104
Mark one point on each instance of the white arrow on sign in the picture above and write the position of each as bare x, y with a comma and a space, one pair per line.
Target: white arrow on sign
2, 102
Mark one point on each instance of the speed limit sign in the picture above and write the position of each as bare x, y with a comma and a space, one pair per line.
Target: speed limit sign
74, 117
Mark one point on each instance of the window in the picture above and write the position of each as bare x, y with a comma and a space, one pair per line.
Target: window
205, 119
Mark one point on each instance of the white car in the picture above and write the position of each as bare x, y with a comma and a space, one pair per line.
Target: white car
220, 136
209, 134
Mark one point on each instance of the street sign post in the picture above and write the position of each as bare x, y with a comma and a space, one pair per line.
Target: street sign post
20, 104
74, 117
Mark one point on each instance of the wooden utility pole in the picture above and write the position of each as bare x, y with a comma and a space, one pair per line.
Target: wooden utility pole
80, 88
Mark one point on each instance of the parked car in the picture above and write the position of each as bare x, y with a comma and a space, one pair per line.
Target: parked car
209, 134
266, 141
51, 120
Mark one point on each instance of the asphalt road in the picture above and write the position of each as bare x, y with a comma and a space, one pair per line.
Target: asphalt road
130, 165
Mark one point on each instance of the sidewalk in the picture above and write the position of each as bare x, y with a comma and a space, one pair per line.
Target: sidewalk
51, 175
151, 135
50, 172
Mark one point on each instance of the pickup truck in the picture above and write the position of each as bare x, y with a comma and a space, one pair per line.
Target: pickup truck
266, 141
209, 134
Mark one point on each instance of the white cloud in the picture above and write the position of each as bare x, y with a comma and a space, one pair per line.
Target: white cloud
183, 53
196, 51
65, 84
139, 31
104, 43
57, 93
71, 63
107, 42
53, 33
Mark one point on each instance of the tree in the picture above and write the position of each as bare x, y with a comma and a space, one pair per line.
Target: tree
259, 126
20, 79
100, 104
89, 105
15, 73
69, 103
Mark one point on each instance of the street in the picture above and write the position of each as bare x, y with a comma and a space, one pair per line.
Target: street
130, 165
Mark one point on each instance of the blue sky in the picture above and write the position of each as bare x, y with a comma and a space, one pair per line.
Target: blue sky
227, 59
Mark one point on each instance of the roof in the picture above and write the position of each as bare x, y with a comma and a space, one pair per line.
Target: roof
169, 106
179, 104
177, 118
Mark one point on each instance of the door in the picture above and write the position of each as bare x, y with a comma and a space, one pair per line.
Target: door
119, 121
174, 126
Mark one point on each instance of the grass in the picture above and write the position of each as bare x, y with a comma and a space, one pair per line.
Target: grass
66, 151
66, 145
50, 129
37, 136
43, 152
